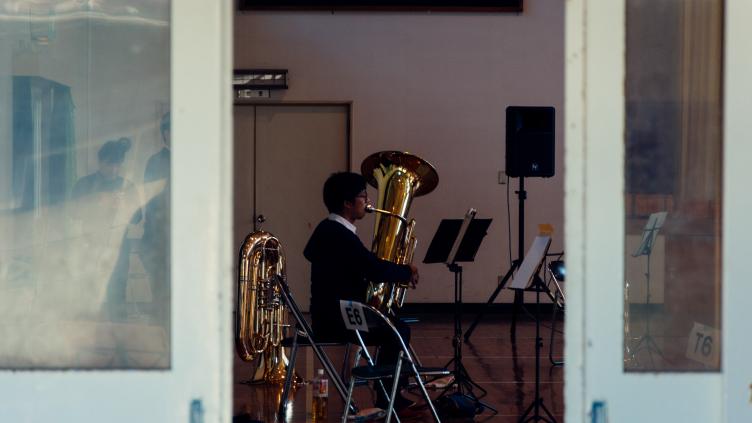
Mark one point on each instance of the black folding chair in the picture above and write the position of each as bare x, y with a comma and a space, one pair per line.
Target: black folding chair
362, 318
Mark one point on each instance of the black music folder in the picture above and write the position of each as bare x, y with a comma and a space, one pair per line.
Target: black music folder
446, 235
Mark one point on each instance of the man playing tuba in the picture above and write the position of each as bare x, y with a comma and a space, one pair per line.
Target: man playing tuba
341, 267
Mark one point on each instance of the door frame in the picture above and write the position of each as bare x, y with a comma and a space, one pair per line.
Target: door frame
737, 385
198, 386
594, 210
202, 42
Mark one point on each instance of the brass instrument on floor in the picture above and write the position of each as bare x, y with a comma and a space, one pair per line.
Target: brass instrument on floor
261, 316
398, 177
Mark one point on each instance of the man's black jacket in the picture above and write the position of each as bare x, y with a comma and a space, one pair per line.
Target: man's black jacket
341, 267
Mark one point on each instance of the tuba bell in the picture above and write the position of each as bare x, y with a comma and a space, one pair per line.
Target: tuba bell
398, 177
261, 316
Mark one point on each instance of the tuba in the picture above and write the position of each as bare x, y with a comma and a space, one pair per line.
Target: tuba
398, 177
261, 316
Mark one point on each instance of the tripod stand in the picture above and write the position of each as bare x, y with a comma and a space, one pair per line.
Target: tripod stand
537, 405
462, 380
464, 238
649, 235
527, 278
518, 296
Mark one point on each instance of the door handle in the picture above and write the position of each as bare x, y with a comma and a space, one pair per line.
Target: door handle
260, 219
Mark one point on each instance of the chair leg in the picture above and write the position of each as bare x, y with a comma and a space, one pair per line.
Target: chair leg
288, 377
425, 394
416, 359
345, 363
553, 330
349, 399
358, 355
395, 382
330, 370
362, 352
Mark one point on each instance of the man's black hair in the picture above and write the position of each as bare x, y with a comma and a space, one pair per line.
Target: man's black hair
113, 151
341, 187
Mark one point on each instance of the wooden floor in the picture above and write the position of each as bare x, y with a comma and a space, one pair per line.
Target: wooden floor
504, 368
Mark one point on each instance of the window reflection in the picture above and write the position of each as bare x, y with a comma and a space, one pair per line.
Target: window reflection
84, 184
673, 167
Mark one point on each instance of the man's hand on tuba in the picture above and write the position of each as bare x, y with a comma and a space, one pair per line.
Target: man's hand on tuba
413, 276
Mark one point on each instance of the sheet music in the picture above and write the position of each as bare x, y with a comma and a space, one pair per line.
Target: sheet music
469, 216
531, 263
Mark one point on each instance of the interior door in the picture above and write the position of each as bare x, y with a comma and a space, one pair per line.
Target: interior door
656, 124
244, 158
81, 342
287, 152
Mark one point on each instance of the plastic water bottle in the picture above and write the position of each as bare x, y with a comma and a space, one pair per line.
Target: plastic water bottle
320, 396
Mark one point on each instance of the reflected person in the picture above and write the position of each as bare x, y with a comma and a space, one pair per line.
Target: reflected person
105, 199
158, 165
106, 189
155, 243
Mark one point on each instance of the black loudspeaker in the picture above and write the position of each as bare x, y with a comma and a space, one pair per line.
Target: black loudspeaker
530, 141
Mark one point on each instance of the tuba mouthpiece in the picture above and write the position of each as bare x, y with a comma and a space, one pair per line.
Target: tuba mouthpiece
372, 209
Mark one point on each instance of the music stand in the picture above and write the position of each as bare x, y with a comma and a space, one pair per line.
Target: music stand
527, 279
649, 234
458, 241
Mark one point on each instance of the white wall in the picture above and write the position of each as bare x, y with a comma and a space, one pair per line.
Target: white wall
437, 85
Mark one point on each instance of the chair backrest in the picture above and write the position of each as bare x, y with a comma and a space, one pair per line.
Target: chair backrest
360, 317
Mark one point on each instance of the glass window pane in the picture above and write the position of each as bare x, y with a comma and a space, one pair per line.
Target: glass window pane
84, 185
673, 143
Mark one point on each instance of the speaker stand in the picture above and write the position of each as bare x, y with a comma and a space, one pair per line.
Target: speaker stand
518, 295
